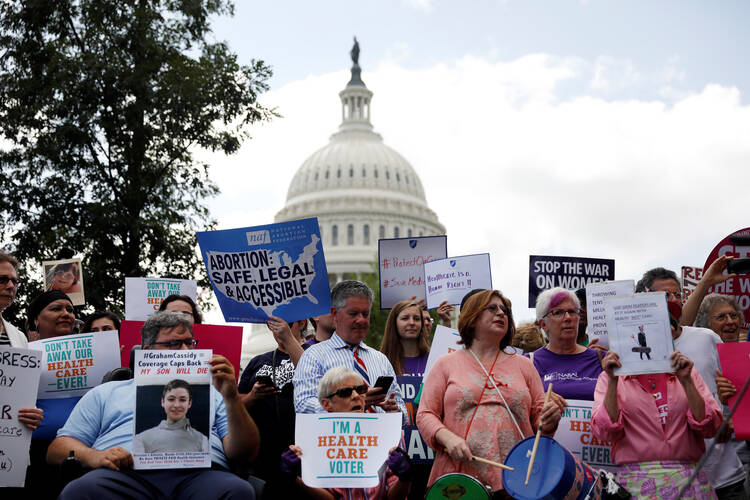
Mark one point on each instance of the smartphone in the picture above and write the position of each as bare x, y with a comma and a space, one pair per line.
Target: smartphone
738, 266
384, 383
265, 380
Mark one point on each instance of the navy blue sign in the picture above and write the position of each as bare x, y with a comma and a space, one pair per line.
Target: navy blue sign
567, 272
418, 451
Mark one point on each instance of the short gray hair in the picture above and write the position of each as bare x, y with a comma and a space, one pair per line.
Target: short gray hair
347, 289
551, 297
160, 320
703, 319
333, 378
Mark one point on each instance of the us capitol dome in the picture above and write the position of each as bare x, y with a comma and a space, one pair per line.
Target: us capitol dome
359, 189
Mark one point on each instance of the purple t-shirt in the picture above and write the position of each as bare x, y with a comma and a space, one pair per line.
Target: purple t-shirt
415, 366
573, 375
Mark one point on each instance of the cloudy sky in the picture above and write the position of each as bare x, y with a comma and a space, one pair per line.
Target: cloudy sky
584, 128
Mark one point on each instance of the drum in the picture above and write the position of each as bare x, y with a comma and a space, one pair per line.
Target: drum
556, 475
457, 486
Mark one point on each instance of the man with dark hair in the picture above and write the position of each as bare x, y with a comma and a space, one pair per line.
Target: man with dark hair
351, 303
659, 279
100, 433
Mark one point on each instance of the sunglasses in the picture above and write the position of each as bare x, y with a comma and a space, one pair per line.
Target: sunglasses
345, 392
178, 343
5, 279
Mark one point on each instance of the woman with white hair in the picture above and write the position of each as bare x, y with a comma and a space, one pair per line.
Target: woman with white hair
572, 368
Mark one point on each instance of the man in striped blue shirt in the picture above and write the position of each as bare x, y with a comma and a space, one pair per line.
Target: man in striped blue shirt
351, 302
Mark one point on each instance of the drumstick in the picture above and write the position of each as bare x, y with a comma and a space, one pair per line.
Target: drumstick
538, 436
490, 462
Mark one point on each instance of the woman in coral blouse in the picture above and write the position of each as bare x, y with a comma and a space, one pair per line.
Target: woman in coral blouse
480, 401
657, 423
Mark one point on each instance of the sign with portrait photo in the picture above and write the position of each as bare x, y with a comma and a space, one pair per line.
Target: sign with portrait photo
67, 276
173, 409
595, 294
143, 296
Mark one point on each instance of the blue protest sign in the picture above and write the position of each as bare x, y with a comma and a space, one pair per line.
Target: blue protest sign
546, 271
272, 270
418, 451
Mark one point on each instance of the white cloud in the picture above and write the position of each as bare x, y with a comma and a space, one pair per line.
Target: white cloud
423, 5
513, 167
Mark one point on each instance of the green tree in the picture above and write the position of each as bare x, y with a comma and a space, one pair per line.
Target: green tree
102, 105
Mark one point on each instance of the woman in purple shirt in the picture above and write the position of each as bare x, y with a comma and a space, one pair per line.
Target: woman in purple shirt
405, 341
572, 368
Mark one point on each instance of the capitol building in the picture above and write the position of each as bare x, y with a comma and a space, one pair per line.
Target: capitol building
359, 189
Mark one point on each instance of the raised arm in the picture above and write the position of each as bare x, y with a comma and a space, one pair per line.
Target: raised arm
711, 276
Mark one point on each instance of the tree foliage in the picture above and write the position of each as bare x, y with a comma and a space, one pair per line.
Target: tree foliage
102, 105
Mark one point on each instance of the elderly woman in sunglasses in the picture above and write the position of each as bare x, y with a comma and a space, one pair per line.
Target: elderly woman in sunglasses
343, 390
571, 368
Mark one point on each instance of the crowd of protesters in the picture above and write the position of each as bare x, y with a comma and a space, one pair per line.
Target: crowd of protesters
478, 401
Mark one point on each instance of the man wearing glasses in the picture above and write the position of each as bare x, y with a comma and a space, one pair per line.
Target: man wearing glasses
9, 334
100, 433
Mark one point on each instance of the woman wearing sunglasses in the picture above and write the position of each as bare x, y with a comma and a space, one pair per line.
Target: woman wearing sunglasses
481, 400
343, 390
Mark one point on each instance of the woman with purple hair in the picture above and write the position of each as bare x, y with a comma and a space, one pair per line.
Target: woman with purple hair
572, 368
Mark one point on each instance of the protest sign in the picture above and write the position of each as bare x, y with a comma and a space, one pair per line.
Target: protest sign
272, 270
735, 245
143, 296
401, 261
221, 339
639, 331
546, 271
19, 377
444, 341
73, 364
174, 410
452, 278
690, 278
418, 451
735, 365
574, 432
595, 294
345, 450
65, 275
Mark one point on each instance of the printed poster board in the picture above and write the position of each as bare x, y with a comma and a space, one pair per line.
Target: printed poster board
143, 296
595, 294
173, 409
574, 432
735, 365
345, 450
639, 331
221, 339
418, 451
400, 263
272, 270
549, 271
452, 278
74, 364
65, 275
19, 377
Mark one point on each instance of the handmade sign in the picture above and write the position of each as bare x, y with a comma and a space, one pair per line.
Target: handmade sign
73, 364
639, 331
67, 276
735, 365
444, 341
143, 296
345, 450
595, 294
221, 339
452, 278
575, 433
690, 278
735, 245
272, 270
19, 377
418, 451
546, 271
401, 261
173, 409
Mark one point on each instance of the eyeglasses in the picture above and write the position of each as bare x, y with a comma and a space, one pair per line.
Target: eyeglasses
724, 316
345, 392
560, 313
494, 309
5, 279
178, 343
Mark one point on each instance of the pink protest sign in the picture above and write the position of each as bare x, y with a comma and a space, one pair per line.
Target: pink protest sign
221, 339
735, 365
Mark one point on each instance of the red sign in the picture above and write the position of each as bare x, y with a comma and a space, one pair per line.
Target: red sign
222, 339
737, 245
735, 365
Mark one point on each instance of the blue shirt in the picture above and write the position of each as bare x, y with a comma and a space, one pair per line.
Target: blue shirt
103, 418
321, 357
56, 412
